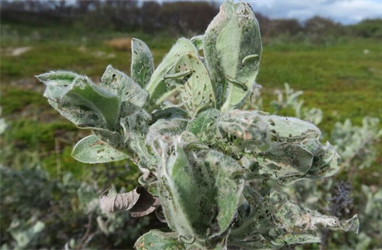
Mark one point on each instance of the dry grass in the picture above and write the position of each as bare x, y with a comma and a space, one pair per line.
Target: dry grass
122, 43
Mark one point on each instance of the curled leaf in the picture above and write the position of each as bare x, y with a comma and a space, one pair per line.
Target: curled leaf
79, 100
198, 42
145, 205
139, 202
118, 202
57, 78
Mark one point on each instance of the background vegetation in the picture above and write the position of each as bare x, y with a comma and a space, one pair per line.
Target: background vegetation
45, 193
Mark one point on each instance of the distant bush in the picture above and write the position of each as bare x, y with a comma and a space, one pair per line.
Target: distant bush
368, 28
177, 18
112, 15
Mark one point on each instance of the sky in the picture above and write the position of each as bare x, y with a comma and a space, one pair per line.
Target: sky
342, 11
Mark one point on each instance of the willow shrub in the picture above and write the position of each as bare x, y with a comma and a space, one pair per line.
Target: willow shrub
215, 170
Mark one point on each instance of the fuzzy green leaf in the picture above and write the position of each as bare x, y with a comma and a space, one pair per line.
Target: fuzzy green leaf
56, 82
232, 49
142, 64
235, 133
168, 113
92, 150
157, 87
113, 138
195, 88
80, 101
57, 78
200, 191
245, 130
212, 55
135, 127
157, 240
198, 42
204, 126
295, 152
295, 218
240, 48
274, 221
290, 128
132, 96
161, 134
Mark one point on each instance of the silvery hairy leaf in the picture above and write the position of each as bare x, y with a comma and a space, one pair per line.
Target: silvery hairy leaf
198, 42
132, 96
281, 148
156, 239
142, 64
232, 49
79, 100
191, 79
279, 222
92, 150
157, 87
217, 181
168, 114
295, 152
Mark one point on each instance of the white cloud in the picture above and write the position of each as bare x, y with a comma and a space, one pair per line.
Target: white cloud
344, 11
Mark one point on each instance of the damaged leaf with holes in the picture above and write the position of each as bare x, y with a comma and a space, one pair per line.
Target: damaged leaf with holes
213, 172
